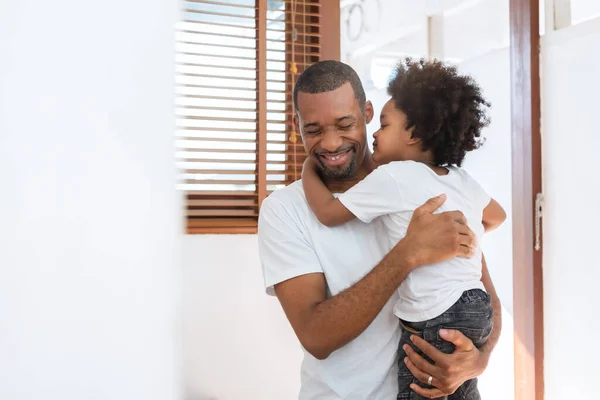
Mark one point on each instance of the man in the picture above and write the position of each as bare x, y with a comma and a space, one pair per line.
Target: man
336, 285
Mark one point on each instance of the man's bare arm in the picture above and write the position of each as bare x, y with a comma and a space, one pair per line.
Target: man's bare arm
324, 325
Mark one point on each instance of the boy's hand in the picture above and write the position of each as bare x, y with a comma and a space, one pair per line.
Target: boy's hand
309, 164
309, 167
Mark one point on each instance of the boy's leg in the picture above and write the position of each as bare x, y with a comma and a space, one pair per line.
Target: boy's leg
467, 391
405, 377
472, 315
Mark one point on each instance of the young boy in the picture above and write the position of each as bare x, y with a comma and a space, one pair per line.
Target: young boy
433, 119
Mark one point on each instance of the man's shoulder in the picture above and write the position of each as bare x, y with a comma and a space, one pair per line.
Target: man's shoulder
288, 203
287, 196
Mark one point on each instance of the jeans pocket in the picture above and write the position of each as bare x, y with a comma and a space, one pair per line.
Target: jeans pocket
477, 335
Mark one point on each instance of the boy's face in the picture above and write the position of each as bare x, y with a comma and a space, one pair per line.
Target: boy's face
333, 130
393, 142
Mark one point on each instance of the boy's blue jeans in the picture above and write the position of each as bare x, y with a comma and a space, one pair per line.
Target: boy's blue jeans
472, 314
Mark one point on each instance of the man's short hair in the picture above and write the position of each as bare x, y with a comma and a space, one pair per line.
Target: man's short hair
326, 76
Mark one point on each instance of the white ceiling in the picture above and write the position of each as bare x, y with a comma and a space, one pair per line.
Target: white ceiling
470, 27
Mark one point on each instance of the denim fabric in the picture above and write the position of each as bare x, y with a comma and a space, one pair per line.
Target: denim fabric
472, 314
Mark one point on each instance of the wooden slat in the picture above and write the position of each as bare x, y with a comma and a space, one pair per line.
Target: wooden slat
197, 117
237, 78
216, 139
287, 152
217, 55
222, 203
270, 121
227, 35
199, 96
199, 128
236, 140
221, 171
298, 12
212, 160
221, 222
217, 87
234, 230
232, 36
218, 182
218, 66
298, 53
211, 193
222, 213
233, 151
218, 14
220, 3
298, 63
290, 163
214, 23
217, 45
210, 108
299, 146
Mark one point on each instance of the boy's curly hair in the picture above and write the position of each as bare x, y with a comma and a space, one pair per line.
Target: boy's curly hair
446, 109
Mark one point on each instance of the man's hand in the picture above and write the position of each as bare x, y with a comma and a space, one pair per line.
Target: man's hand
432, 238
450, 370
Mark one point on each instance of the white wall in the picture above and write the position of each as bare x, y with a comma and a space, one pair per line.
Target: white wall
238, 343
89, 215
491, 166
571, 216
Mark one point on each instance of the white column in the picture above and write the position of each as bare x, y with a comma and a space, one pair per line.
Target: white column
90, 220
435, 36
562, 14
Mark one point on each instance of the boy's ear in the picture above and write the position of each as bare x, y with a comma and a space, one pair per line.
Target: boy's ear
413, 139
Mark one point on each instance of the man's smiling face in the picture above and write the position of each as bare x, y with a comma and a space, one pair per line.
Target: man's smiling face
333, 130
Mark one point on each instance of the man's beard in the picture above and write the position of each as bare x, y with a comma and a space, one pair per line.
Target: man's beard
339, 174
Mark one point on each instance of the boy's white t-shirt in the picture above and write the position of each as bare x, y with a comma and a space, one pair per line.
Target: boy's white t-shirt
393, 191
292, 242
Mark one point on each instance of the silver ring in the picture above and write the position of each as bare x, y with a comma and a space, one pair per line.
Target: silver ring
430, 380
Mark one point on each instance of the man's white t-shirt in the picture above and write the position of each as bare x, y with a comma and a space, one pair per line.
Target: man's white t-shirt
292, 242
393, 191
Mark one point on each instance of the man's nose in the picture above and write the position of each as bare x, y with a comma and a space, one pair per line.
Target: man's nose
331, 141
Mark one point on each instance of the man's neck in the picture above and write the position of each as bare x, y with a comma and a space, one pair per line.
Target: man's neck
341, 185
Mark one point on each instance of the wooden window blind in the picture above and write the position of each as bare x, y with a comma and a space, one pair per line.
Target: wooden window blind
237, 61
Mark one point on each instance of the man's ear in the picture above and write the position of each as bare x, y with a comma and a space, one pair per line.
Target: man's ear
369, 112
296, 122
